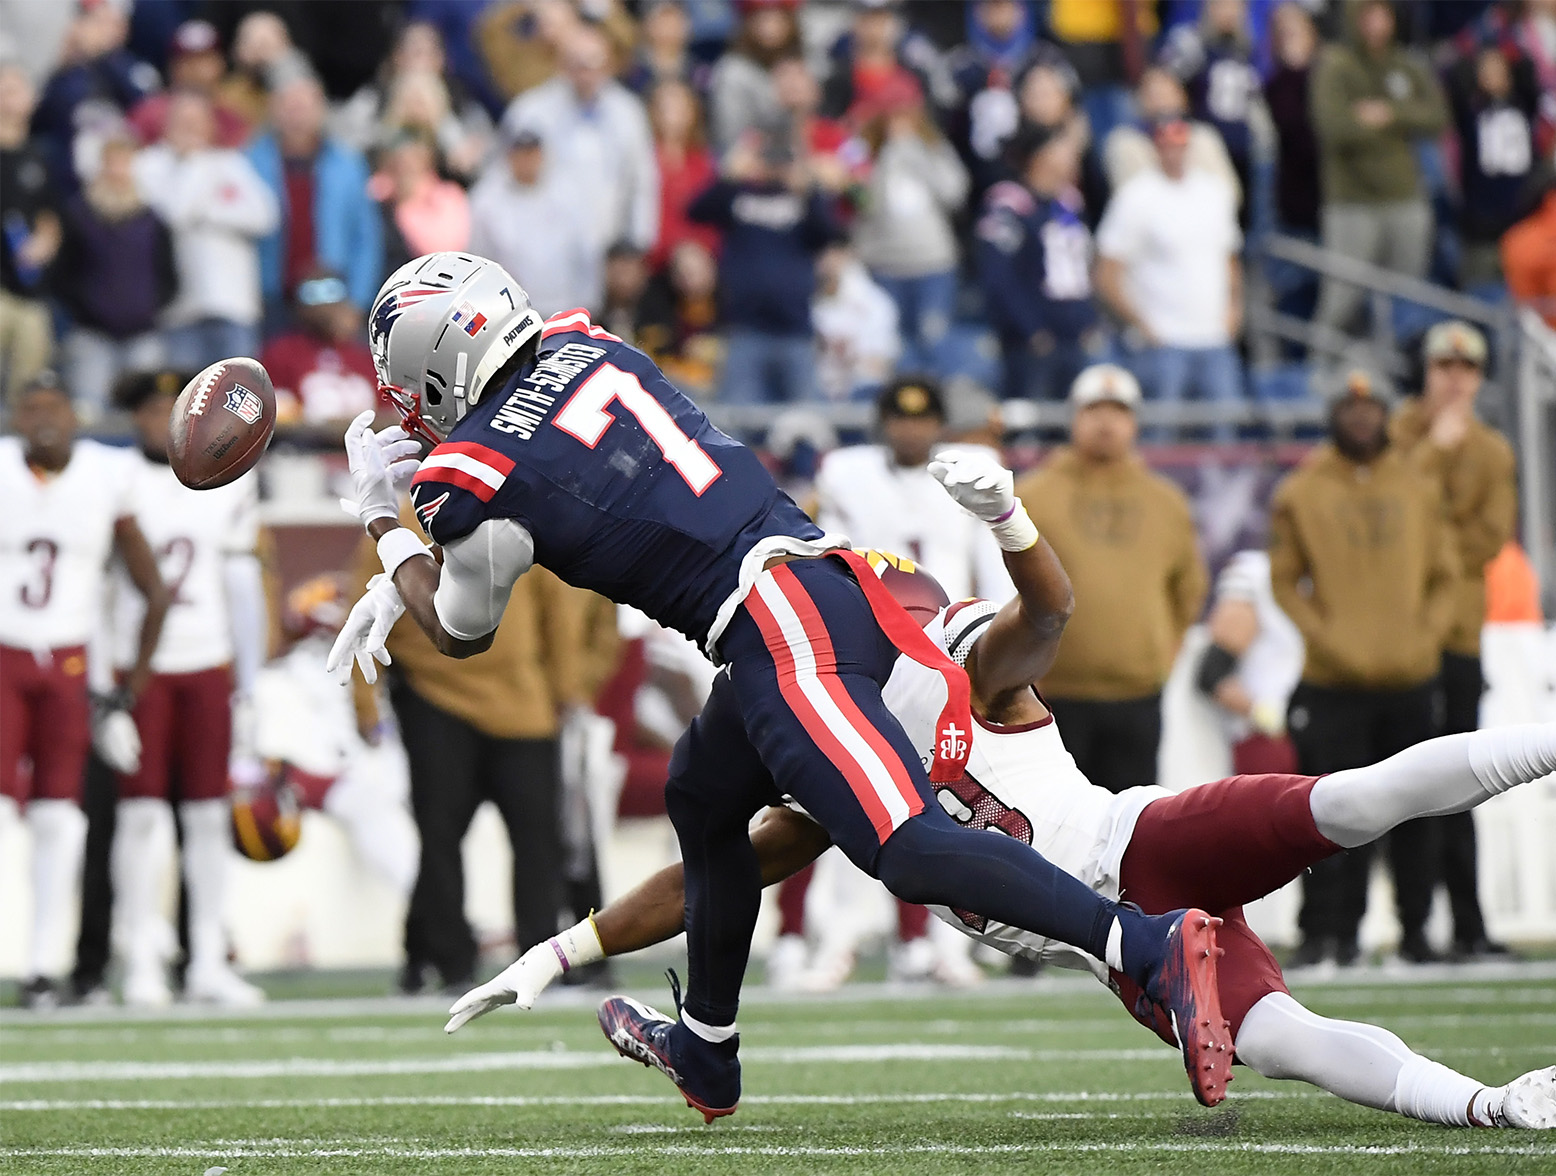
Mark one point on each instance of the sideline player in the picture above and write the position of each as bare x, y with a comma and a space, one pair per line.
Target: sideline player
569, 448
213, 643
1220, 845
67, 509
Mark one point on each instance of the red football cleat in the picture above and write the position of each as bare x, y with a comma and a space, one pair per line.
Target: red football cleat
1186, 988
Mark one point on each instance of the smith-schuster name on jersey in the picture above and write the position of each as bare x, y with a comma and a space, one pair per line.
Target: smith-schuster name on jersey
621, 481
1020, 781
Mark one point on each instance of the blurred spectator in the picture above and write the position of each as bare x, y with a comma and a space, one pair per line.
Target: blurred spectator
856, 327
32, 35
95, 70
1034, 265
836, 158
1529, 256
1129, 149
775, 221
327, 215
1251, 666
597, 142
1372, 102
1362, 561
1473, 466
1126, 537
1213, 58
524, 217
1169, 268
29, 238
677, 325
522, 42
1047, 98
664, 52
740, 90
1106, 41
321, 368
874, 54
1495, 103
1526, 30
685, 165
415, 88
217, 208
1287, 96
904, 232
626, 280
432, 214
1002, 46
195, 62
476, 730
263, 61
115, 273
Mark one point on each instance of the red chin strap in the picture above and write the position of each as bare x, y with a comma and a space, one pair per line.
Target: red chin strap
408, 407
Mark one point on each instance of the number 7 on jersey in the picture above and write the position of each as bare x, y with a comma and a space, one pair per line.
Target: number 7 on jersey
584, 416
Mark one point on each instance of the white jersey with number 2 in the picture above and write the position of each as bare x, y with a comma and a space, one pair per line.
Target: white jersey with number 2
56, 536
1020, 782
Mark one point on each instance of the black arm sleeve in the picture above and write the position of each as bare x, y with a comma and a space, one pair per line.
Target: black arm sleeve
1215, 666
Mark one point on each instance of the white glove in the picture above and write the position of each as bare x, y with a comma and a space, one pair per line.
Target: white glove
382, 466
366, 630
519, 983
984, 488
116, 739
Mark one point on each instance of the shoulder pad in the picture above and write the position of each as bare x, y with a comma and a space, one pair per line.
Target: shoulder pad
455, 483
575, 320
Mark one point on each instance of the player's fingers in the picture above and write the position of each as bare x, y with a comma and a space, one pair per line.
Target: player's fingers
382, 657
360, 424
367, 666
392, 433
400, 450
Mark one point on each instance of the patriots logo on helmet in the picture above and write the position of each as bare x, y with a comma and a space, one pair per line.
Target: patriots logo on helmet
390, 307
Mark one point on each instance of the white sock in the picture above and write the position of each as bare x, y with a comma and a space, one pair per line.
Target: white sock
1114, 956
144, 846
1447, 775
207, 855
1364, 1064
713, 1033
58, 837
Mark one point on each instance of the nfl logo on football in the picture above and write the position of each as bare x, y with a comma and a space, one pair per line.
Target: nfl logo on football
244, 404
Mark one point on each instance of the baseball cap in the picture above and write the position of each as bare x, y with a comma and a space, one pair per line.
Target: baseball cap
194, 36
1105, 382
911, 396
1455, 340
1360, 383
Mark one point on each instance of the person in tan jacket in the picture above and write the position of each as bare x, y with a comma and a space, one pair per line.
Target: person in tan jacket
1363, 563
1127, 537
1474, 468
480, 729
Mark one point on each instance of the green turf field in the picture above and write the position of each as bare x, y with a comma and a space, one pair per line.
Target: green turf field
1041, 1079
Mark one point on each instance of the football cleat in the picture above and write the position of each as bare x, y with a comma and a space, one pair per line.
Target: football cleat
706, 1073
1186, 988
1530, 1101
223, 987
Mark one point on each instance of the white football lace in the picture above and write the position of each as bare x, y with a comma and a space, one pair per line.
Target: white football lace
203, 391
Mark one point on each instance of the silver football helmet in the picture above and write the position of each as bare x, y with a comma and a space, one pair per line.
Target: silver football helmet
439, 329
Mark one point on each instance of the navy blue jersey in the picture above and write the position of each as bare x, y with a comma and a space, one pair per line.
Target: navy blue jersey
1034, 264
1222, 85
624, 485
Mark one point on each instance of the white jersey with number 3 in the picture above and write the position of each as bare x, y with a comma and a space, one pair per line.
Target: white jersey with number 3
191, 532
1021, 782
56, 536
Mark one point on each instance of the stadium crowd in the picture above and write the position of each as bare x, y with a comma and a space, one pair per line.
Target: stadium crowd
780, 202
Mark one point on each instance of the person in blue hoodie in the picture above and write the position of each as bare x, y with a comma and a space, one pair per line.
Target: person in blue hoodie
327, 216
1034, 254
775, 220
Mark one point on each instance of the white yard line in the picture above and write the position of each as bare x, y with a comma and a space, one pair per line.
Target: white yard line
305, 1149
628, 1100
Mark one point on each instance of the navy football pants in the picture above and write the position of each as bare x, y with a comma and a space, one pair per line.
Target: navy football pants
799, 713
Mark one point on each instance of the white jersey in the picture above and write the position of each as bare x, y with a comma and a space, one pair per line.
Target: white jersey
1272, 665
191, 532
906, 512
56, 537
1019, 781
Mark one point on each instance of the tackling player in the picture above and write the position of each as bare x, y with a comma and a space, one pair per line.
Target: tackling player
566, 447
67, 509
1219, 845
212, 645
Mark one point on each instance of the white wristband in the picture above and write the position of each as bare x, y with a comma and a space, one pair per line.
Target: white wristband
397, 546
1015, 531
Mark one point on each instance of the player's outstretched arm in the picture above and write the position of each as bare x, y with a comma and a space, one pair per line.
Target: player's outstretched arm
652, 912
1023, 639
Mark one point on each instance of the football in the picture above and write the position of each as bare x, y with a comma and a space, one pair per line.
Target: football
221, 423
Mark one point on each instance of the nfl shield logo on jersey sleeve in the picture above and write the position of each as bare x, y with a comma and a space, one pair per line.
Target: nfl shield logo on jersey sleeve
244, 404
